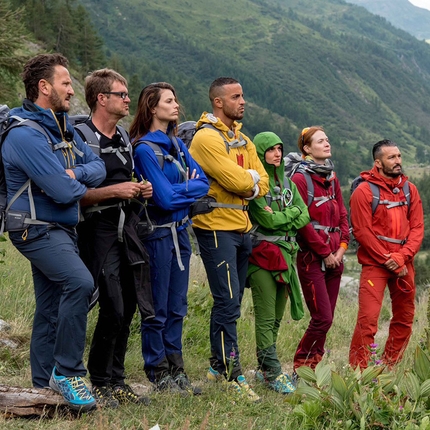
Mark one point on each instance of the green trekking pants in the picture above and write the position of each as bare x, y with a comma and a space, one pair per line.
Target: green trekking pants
269, 298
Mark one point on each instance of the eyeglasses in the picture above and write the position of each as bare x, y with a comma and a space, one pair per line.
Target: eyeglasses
121, 94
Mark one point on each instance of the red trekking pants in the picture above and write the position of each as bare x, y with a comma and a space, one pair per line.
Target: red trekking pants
373, 281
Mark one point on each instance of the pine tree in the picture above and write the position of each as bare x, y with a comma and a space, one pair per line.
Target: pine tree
11, 35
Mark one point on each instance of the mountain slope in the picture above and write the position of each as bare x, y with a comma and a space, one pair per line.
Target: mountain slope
400, 13
300, 62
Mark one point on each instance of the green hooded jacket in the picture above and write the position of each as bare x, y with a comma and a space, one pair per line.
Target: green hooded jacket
289, 214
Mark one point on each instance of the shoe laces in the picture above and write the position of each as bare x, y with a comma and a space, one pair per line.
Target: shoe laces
126, 391
103, 392
243, 388
282, 381
182, 380
78, 385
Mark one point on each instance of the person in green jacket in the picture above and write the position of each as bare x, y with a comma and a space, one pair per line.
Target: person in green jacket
271, 273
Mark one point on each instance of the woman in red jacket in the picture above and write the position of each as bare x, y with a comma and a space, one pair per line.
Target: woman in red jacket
322, 242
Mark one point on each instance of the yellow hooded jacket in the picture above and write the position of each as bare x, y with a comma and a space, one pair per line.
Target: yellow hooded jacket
229, 173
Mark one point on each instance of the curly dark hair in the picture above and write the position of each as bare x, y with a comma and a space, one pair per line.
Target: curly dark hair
40, 67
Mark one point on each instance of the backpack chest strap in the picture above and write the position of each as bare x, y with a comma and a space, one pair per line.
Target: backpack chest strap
118, 151
237, 143
323, 199
391, 205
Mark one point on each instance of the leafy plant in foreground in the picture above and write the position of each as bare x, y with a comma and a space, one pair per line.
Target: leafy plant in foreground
374, 398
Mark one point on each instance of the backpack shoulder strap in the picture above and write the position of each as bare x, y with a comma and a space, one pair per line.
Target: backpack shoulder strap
407, 193
89, 136
156, 148
309, 185
207, 125
124, 134
126, 139
375, 196
18, 121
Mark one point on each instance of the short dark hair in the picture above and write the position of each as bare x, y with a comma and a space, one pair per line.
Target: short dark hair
217, 84
40, 67
377, 147
100, 81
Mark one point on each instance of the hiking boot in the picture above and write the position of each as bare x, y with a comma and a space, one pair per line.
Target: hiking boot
104, 397
242, 388
73, 389
213, 375
282, 384
124, 394
168, 384
184, 383
295, 378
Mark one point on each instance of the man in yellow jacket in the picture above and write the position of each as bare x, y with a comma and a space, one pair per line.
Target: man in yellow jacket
236, 175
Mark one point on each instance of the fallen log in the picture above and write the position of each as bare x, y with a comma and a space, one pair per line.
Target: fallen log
18, 401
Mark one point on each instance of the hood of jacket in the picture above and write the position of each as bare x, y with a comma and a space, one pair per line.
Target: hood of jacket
210, 118
374, 176
56, 124
264, 141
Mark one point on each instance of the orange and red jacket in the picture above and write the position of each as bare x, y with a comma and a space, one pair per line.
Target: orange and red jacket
399, 222
331, 214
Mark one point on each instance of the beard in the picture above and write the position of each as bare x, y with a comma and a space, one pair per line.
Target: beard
390, 172
57, 104
234, 115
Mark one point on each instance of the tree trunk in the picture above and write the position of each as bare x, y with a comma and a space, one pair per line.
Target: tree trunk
18, 401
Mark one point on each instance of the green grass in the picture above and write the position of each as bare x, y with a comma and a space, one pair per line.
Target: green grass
216, 408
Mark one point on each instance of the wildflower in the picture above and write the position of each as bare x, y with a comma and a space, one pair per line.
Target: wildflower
231, 361
374, 361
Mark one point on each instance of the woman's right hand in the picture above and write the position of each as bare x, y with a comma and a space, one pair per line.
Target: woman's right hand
330, 261
194, 174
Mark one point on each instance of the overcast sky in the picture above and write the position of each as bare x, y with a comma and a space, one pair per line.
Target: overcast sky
421, 3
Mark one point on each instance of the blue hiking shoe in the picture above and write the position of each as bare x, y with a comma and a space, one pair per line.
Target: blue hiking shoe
73, 389
282, 384
213, 375
241, 388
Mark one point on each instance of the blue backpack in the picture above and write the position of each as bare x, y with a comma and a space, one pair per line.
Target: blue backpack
7, 123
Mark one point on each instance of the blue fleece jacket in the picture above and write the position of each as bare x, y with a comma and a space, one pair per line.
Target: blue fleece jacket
27, 154
172, 196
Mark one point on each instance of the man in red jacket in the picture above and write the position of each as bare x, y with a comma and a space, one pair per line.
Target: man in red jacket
389, 234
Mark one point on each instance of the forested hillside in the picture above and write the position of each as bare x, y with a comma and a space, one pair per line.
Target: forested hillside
301, 62
400, 13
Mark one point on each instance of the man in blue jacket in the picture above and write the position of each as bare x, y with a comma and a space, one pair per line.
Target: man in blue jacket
59, 172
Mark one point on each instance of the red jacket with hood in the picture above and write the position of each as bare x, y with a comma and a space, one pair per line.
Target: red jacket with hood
399, 222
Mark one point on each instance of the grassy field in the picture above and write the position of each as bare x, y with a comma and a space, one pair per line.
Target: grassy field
216, 408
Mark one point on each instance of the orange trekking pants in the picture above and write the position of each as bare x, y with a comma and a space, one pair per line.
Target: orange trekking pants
373, 281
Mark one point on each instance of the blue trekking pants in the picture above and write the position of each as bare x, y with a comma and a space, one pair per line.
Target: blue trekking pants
225, 257
63, 287
162, 335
